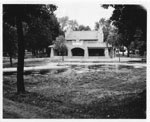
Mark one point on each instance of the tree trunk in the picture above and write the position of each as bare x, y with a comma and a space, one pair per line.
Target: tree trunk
48, 52
128, 55
20, 66
119, 53
113, 52
10, 58
119, 57
10, 61
123, 53
33, 52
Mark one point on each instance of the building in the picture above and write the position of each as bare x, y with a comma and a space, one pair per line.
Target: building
85, 44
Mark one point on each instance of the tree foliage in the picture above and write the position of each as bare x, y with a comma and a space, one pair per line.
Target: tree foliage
60, 46
66, 23
106, 27
127, 18
41, 33
9, 41
15, 15
83, 28
63, 22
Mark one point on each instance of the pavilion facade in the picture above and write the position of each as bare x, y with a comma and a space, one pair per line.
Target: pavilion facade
85, 44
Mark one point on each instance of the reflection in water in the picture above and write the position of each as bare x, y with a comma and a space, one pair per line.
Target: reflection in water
104, 68
82, 69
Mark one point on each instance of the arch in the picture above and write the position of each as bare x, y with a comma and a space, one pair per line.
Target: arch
77, 52
96, 52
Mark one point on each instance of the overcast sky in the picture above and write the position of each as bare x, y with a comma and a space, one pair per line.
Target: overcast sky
86, 13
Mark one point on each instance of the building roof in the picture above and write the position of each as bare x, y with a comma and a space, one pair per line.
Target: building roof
86, 35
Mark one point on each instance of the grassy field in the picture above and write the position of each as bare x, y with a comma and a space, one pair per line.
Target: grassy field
78, 92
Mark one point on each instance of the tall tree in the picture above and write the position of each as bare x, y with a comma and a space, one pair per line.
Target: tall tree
41, 33
63, 22
17, 14
83, 28
128, 18
9, 41
60, 46
114, 39
66, 23
106, 27
96, 26
73, 24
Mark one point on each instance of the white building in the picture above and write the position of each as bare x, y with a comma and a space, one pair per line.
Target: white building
85, 44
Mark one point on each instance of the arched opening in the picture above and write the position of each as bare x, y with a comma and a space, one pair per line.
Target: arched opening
96, 52
77, 52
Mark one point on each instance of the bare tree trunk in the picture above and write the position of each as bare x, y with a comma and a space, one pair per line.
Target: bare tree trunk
119, 53
20, 66
10, 61
128, 55
123, 53
10, 58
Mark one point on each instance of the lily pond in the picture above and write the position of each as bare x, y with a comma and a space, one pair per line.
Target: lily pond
79, 91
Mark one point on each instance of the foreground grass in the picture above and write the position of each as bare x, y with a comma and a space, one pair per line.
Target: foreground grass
78, 93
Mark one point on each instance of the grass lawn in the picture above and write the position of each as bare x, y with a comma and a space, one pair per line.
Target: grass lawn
78, 92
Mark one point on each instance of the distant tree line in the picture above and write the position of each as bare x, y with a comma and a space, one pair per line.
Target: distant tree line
66, 23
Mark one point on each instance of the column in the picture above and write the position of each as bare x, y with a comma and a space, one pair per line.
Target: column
52, 52
86, 52
69, 53
106, 52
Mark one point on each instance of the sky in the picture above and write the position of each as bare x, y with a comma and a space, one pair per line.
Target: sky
85, 13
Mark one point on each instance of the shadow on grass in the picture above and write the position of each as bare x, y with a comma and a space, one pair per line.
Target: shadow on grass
7, 115
112, 108
109, 107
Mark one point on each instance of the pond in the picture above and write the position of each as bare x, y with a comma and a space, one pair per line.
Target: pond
104, 68
84, 69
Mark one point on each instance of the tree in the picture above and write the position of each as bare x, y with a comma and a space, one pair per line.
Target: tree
66, 23
73, 24
114, 39
63, 22
106, 26
138, 43
84, 28
9, 41
41, 34
107, 29
15, 15
128, 18
60, 46
96, 26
